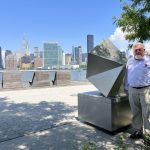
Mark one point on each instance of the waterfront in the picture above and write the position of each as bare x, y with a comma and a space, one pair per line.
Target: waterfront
12, 79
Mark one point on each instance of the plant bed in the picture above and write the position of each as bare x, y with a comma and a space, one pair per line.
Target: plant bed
146, 141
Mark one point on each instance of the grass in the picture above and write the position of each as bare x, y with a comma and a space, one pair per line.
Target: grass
88, 146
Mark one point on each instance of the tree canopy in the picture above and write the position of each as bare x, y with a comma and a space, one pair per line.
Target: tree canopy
135, 20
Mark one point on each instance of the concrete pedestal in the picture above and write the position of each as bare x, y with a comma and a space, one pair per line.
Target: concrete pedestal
108, 113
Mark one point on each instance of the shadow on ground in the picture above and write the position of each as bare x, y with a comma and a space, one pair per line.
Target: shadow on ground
16, 120
34, 127
72, 136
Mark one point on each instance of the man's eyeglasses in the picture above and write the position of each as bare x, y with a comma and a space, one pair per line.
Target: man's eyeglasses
140, 49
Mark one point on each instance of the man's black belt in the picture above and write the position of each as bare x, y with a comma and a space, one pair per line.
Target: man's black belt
141, 87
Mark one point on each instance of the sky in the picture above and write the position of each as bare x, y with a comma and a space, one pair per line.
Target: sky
64, 21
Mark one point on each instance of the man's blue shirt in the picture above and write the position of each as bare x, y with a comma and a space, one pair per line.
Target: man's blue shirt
138, 72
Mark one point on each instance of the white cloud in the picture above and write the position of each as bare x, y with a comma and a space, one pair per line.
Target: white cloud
118, 39
147, 46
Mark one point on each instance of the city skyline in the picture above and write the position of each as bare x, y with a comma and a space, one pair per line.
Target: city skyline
63, 21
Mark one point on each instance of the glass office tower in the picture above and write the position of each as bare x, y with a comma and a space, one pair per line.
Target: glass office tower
52, 55
90, 43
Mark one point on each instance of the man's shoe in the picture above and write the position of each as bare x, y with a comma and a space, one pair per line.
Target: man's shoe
136, 135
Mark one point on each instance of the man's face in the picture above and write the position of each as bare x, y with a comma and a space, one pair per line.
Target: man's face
138, 51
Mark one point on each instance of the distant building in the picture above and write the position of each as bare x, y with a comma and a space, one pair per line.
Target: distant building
35, 52
68, 59
11, 62
1, 62
73, 60
90, 43
41, 54
25, 47
84, 57
63, 58
18, 56
8, 52
32, 57
25, 62
77, 55
38, 62
3, 58
52, 55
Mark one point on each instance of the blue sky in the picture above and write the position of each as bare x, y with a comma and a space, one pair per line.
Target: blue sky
65, 21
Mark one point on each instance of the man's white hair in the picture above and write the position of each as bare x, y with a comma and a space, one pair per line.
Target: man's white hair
138, 43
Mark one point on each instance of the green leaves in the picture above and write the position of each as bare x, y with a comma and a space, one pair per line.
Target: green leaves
135, 20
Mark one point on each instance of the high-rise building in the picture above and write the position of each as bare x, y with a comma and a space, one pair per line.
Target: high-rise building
38, 62
68, 59
73, 60
63, 58
25, 47
90, 43
1, 64
77, 55
84, 57
11, 62
8, 52
35, 52
52, 55
32, 56
41, 54
25, 62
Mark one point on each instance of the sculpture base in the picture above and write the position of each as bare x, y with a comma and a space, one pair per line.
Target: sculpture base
108, 113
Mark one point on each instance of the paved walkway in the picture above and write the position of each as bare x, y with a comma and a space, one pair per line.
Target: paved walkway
45, 119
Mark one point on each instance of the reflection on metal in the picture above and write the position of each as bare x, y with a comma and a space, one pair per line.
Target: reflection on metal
27, 78
41, 78
12, 79
107, 113
106, 75
52, 77
108, 50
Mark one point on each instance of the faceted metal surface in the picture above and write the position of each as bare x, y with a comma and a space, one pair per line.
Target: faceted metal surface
108, 113
106, 75
108, 50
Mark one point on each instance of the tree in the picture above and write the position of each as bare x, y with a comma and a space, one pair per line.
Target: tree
135, 20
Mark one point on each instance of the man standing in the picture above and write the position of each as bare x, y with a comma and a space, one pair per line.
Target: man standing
138, 86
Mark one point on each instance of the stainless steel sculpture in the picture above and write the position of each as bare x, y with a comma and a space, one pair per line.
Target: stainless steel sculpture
107, 108
105, 74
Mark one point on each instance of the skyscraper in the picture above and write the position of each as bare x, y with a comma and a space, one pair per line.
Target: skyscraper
1, 65
52, 55
73, 56
7, 52
77, 55
90, 43
35, 52
25, 47
11, 62
68, 59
